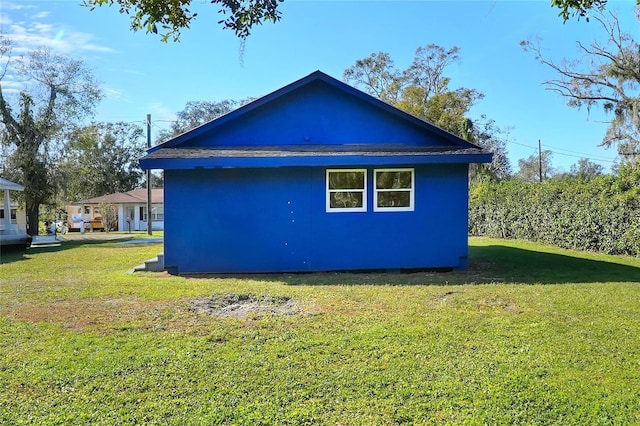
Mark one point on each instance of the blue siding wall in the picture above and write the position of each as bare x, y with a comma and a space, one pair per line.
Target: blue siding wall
274, 220
317, 115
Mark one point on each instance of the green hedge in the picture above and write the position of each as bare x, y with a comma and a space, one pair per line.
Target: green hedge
599, 215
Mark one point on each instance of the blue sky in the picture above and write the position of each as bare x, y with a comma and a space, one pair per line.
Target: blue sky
141, 75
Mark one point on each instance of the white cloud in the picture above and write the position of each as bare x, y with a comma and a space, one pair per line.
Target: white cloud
114, 94
8, 5
30, 28
12, 86
160, 112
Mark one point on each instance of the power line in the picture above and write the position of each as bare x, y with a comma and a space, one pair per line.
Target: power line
575, 154
580, 153
584, 156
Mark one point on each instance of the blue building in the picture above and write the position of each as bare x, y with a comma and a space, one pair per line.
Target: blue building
316, 176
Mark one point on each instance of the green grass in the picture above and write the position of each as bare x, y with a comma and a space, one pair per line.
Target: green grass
529, 335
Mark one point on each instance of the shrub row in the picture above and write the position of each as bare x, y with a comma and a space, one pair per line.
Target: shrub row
601, 215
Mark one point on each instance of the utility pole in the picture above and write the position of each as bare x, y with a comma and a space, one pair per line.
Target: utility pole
149, 220
540, 159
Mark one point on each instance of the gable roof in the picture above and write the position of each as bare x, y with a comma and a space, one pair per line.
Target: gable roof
11, 186
137, 196
181, 152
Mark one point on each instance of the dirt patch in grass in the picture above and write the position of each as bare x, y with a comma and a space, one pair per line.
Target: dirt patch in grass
114, 314
445, 296
100, 314
499, 303
242, 305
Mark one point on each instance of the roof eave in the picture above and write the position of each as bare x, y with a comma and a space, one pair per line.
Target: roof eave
310, 161
316, 75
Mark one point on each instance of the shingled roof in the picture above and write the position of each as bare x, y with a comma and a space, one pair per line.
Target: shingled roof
136, 196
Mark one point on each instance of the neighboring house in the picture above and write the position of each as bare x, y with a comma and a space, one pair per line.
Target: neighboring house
13, 220
316, 176
132, 211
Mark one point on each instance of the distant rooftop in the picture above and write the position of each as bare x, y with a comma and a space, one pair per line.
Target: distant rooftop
136, 196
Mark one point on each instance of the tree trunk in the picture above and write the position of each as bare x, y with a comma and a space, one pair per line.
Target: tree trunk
36, 182
33, 216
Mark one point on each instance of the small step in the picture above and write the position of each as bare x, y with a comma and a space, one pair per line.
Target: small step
46, 240
156, 264
152, 265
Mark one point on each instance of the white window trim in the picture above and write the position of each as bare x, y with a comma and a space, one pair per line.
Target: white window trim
411, 191
329, 191
13, 214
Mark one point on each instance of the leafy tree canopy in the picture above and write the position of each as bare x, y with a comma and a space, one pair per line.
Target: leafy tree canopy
55, 93
579, 8
536, 167
197, 113
586, 170
169, 17
101, 159
423, 90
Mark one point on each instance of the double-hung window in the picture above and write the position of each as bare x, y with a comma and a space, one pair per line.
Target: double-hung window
393, 190
13, 213
346, 190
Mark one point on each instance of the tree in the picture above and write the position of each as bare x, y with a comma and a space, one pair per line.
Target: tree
376, 75
109, 216
101, 159
581, 8
488, 135
197, 113
173, 16
447, 110
423, 90
586, 170
529, 168
57, 91
608, 76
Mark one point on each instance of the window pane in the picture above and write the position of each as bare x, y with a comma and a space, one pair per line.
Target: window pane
346, 180
393, 180
394, 199
344, 199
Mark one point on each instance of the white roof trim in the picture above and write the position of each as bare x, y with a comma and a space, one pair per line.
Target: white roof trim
11, 186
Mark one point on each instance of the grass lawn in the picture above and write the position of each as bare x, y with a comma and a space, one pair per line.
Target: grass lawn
529, 335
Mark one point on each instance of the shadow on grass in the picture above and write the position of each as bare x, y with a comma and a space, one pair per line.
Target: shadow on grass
487, 265
518, 265
17, 255
12, 254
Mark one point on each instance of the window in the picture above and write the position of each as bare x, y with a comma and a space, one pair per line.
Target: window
393, 190
346, 190
157, 213
14, 215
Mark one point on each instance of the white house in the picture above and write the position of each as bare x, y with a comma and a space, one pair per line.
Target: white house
13, 221
132, 210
